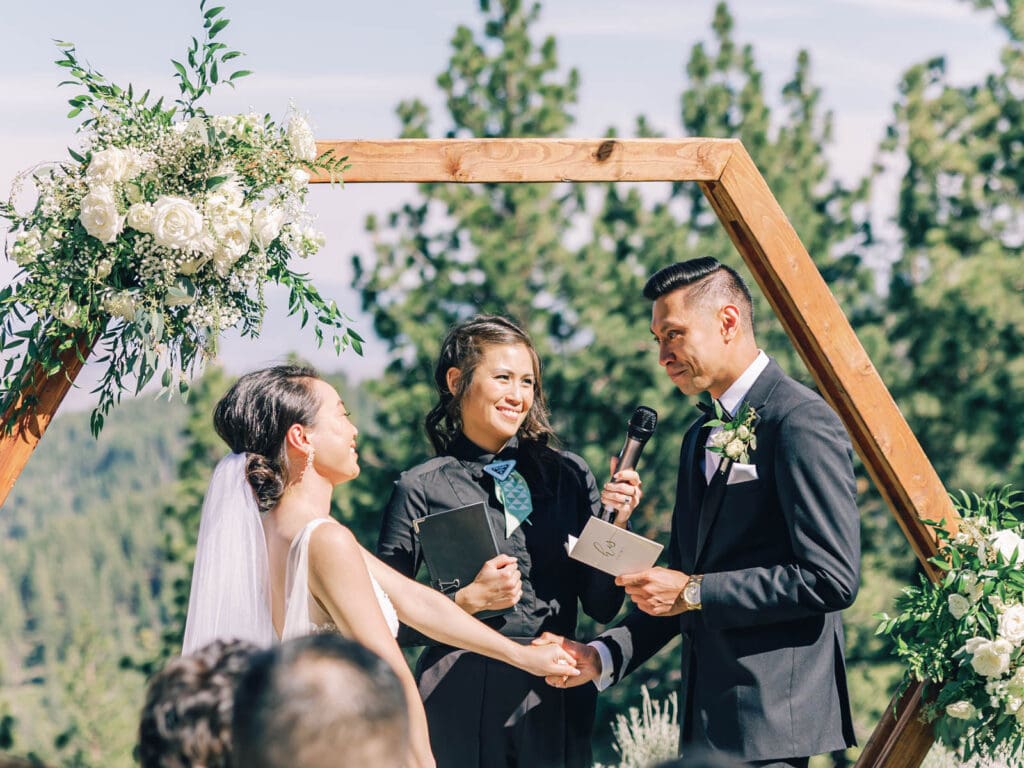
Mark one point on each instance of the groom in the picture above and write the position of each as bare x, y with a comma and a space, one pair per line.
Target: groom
765, 547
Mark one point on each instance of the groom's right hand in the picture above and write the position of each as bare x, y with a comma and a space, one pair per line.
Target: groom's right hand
588, 661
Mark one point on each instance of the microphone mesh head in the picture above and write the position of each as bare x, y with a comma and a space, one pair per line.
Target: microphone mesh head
643, 422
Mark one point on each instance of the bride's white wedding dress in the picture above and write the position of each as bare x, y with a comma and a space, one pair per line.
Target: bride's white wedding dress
303, 615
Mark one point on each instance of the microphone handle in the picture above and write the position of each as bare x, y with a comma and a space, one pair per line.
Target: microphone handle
628, 458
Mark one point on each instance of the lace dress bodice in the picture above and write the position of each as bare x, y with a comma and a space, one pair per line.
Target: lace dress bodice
303, 615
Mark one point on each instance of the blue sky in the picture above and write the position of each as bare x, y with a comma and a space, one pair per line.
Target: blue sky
347, 64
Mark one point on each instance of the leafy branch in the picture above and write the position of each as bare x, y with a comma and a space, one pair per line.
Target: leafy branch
204, 63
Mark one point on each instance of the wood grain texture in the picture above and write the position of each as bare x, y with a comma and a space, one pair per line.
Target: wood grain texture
901, 738
848, 380
49, 391
530, 160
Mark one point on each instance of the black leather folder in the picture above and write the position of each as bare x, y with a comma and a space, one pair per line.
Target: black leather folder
456, 543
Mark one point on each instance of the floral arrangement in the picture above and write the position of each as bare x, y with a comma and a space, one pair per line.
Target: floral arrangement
159, 233
736, 439
963, 636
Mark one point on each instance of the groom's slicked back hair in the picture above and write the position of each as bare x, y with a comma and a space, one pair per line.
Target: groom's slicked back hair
705, 279
320, 701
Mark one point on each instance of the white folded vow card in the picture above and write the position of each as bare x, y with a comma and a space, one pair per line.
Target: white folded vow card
612, 549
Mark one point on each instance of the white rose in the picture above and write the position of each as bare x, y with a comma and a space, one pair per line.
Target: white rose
990, 658
734, 450
298, 179
140, 217
958, 606
232, 243
961, 710
108, 166
266, 225
1007, 543
99, 215
301, 138
1011, 624
743, 432
176, 222
103, 267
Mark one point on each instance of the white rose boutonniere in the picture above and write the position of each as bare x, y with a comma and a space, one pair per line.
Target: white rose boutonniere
737, 438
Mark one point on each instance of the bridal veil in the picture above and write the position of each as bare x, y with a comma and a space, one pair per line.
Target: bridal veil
230, 596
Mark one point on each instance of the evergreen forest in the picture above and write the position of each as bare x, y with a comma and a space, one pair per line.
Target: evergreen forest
96, 539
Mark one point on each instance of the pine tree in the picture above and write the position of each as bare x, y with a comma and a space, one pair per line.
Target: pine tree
956, 319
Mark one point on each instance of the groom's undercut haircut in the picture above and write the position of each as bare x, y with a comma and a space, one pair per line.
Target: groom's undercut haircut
320, 701
705, 279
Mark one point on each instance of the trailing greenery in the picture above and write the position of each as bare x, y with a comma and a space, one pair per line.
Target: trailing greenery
159, 234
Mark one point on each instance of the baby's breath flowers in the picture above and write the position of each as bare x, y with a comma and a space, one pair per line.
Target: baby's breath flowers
160, 233
963, 636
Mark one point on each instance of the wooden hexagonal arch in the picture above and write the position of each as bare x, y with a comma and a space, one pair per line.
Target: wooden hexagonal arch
771, 249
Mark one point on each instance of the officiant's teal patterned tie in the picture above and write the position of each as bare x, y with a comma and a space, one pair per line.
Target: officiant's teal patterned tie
512, 491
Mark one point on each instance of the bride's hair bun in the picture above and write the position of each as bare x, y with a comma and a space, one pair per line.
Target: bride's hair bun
267, 479
254, 417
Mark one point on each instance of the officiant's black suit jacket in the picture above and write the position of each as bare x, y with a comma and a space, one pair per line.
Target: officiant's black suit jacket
763, 660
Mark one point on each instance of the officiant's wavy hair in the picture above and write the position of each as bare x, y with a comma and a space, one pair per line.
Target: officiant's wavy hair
254, 417
707, 278
464, 348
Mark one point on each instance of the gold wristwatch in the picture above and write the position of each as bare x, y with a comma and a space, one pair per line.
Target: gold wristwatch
691, 593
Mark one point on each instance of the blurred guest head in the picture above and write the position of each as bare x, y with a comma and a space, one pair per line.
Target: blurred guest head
320, 701
186, 720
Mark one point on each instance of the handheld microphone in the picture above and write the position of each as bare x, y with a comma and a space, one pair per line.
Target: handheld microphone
641, 427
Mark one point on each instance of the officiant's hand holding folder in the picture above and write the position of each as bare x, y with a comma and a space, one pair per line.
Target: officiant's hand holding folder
457, 542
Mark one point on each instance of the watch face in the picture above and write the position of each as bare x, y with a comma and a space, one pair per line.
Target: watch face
691, 593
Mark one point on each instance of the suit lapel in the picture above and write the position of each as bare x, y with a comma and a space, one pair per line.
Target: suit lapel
690, 490
757, 397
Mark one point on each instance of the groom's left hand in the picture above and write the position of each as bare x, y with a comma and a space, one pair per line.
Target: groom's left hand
657, 591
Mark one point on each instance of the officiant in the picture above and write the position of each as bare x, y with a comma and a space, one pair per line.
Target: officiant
491, 434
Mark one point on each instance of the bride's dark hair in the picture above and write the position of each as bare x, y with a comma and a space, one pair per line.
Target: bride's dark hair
464, 348
254, 417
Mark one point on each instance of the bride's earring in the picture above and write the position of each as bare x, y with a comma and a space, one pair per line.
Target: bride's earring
309, 458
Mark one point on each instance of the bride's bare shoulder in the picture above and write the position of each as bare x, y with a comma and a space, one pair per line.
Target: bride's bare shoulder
332, 539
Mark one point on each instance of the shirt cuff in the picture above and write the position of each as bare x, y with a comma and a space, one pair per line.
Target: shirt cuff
607, 667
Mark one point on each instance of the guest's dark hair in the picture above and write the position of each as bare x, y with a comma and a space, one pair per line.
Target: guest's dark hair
254, 417
320, 701
186, 720
464, 348
707, 278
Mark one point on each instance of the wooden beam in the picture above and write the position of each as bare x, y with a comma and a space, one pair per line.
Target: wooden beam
530, 160
901, 737
848, 380
17, 446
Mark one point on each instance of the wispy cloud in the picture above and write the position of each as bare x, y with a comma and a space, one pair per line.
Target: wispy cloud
933, 9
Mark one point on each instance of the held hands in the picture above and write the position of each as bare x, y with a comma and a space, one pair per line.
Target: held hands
657, 591
622, 493
499, 585
586, 659
549, 660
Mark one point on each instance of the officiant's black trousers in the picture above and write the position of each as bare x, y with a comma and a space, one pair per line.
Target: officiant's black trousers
486, 714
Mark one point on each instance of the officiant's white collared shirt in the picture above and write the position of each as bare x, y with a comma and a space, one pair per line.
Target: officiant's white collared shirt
731, 400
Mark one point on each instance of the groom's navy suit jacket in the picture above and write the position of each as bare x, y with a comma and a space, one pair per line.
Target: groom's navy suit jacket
763, 659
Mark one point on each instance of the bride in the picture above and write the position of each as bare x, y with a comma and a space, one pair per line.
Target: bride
297, 570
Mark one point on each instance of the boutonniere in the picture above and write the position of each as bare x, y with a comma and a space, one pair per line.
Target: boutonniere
737, 438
